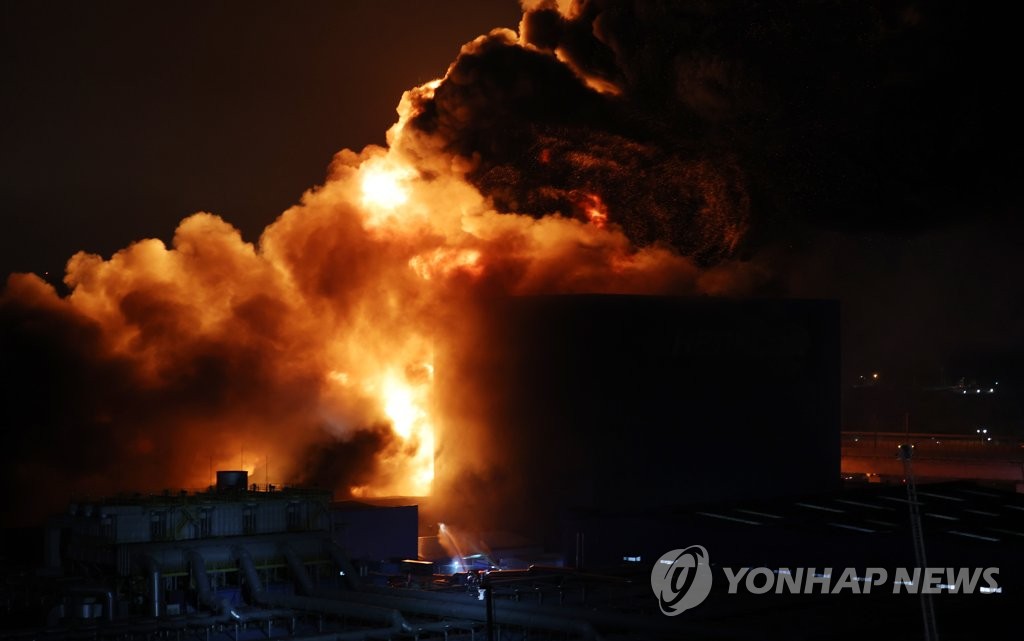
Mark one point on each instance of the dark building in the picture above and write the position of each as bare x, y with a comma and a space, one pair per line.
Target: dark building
177, 554
375, 532
605, 402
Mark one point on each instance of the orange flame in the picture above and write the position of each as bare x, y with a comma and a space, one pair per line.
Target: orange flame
595, 210
330, 324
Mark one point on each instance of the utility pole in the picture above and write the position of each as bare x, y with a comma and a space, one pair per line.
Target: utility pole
931, 633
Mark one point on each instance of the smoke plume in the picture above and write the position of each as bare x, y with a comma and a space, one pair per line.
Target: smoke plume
607, 147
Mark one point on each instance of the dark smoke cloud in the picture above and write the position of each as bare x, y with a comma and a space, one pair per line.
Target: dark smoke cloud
541, 140
340, 463
784, 117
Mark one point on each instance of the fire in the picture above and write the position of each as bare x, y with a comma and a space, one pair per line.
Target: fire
401, 408
383, 185
406, 466
321, 337
444, 262
595, 210
405, 406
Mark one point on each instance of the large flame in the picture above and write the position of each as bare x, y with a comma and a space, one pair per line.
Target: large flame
382, 186
309, 356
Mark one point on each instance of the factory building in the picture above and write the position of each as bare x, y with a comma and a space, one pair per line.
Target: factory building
620, 428
648, 402
175, 554
301, 585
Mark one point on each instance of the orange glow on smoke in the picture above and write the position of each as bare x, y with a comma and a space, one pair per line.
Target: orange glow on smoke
405, 405
382, 186
326, 329
595, 210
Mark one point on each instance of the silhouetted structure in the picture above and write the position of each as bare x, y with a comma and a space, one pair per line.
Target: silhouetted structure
604, 402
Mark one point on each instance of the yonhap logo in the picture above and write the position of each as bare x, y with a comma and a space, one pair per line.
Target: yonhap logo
681, 579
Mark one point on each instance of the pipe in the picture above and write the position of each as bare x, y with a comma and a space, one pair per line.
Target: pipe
489, 611
105, 593
504, 611
327, 606
205, 593
518, 612
298, 570
345, 565
155, 585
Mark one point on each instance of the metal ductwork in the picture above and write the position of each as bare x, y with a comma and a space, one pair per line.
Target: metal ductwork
156, 585
205, 593
565, 618
298, 570
340, 608
522, 614
351, 577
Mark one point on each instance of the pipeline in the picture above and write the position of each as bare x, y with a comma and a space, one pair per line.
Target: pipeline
205, 594
341, 559
338, 608
155, 584
513, 612
298, 570
365, 635
462, 608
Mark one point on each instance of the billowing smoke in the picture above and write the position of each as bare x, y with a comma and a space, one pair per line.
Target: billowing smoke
539, 139
723, 127
609, 147
308, 357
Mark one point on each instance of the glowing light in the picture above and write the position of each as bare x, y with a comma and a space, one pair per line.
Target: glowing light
341, 378
382, 185
401, 409
444, 262
405, 407
595, 210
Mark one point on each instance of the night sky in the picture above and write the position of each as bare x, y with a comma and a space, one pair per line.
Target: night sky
121, 118
876, 144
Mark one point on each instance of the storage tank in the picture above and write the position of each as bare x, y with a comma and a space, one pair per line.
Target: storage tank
232, 480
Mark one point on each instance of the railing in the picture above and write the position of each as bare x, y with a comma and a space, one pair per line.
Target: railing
188, 496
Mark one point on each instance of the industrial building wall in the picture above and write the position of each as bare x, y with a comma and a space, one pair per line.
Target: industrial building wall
625, 402
368, 532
